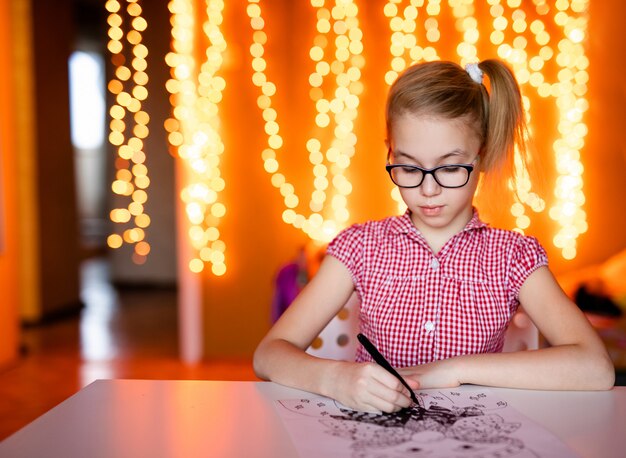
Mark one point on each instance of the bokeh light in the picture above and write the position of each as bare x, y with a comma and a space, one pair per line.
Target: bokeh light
193, 130
335, 86
128, 127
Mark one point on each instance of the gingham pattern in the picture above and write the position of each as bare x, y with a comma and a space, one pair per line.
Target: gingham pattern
418, 307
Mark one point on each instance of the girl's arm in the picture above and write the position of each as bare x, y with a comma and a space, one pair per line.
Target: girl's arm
575, 360
281, 355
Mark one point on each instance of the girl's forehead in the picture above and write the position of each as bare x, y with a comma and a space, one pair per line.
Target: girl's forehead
413, 121
427, 136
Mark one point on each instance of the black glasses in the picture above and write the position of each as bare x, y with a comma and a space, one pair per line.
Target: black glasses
446, 176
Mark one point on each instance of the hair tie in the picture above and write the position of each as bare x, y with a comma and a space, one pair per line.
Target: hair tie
474, 72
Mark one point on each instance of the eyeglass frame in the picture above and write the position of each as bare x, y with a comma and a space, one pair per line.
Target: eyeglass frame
469, 167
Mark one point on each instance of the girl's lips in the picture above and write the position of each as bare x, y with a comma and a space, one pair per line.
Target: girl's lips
431, 210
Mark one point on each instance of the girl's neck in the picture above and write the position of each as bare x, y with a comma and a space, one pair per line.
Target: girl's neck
437, 240
437, 237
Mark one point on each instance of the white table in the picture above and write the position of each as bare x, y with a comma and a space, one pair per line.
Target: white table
150, 418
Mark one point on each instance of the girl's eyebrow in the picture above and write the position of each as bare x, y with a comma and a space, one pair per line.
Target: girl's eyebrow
400, 154
454, 153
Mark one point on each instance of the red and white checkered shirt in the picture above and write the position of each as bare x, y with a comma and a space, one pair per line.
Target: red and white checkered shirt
418, 307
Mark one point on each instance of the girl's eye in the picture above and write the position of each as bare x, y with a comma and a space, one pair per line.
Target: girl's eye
451, 169
408, 170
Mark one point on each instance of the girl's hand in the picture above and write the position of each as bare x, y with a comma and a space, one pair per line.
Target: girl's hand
438, 374
368, 387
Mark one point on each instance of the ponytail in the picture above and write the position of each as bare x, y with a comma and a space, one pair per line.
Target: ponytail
506, 121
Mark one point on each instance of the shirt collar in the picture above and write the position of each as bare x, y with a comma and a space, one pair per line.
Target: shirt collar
475, 222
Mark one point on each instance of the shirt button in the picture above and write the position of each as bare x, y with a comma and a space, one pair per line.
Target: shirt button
434, 264
429, 326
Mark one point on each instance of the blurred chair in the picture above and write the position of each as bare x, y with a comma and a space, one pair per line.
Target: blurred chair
338, 339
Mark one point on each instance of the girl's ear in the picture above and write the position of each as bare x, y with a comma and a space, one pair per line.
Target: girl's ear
387, 143
480, 159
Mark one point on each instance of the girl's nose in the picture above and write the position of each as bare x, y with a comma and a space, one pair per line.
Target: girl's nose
429, 186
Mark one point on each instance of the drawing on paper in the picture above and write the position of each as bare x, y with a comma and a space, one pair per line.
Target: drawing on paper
444, 424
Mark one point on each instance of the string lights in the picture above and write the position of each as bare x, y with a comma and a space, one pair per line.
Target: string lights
334, 88
129, 88
537, 39
520, 34
193, 130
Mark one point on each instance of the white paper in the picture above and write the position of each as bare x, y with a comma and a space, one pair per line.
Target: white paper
447, 423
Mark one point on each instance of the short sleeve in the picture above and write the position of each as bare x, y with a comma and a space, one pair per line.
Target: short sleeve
347, 247
528, 255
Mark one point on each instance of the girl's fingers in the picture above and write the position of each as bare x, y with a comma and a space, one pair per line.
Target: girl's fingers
379, 391
390, 398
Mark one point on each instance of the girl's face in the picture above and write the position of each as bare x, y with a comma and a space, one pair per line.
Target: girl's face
428, 142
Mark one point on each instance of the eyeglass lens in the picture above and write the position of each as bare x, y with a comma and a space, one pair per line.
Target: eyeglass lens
450, 176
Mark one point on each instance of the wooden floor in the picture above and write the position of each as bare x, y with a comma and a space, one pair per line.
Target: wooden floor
120, 333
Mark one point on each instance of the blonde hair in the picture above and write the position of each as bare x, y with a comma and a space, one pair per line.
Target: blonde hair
442, 89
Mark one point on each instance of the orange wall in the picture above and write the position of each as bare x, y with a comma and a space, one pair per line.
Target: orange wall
604, 155
8, 197
258, 242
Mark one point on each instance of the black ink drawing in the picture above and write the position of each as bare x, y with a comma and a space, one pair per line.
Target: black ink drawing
444, 424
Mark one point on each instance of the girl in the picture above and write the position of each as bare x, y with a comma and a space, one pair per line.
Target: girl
437, 285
